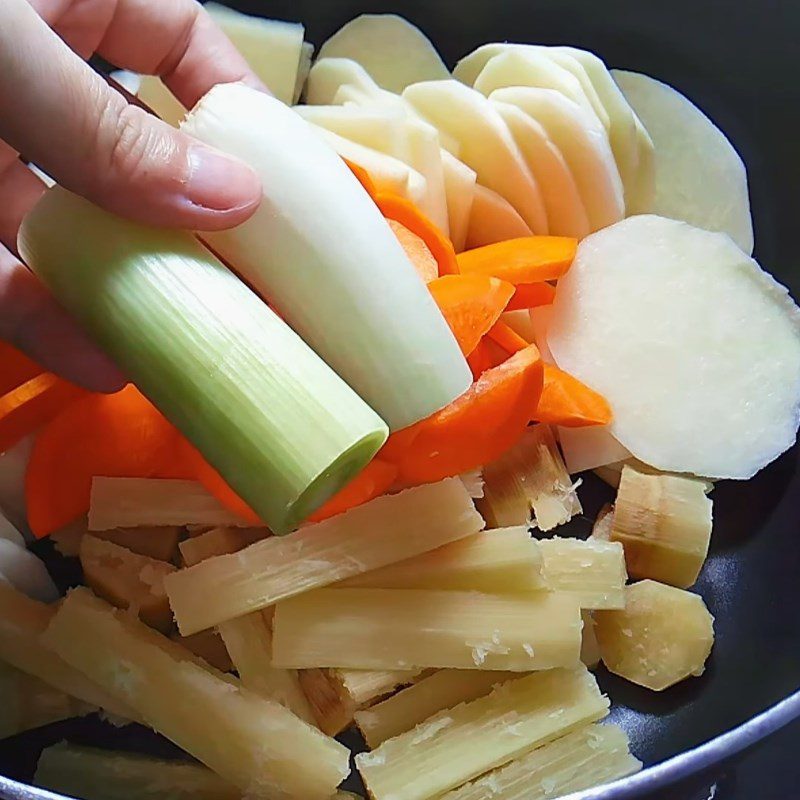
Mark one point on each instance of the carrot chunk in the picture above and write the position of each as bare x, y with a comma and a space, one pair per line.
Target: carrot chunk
531, 295
479, 426
530, 259
392, 206
373, 481
507, 338
471, 304
363, 178
418, 252
568, 402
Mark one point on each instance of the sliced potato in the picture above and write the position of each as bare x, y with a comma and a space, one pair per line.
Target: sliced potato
485, 143
328, 75
392, 50
706, 382
459, 189
493, 219
303, 68
700, 178
662, 636
566, 215
584, 145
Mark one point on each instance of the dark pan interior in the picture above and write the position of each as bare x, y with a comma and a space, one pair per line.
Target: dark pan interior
739, 62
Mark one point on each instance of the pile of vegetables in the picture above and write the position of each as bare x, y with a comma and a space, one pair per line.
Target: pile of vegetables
340, 450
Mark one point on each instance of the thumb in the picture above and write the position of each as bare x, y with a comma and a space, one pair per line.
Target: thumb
71, 123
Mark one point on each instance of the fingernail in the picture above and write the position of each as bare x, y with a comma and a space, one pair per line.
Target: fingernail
219, 182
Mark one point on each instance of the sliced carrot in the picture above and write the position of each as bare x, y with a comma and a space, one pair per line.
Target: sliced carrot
507, 337
531, 295
25, 409
119, 435
401, 210
568, 402
201, 471
398, 444
15, 368
471, 304
527, 260
417, 251
480, 425
363, 178
371, 482
480, 359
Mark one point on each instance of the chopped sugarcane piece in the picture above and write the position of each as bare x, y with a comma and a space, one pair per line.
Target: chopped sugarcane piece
207, 645
385, 530
217, 542
404, 628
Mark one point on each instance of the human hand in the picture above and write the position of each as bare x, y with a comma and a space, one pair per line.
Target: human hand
59, 114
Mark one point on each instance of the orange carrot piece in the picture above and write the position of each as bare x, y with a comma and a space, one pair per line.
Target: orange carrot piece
479, 426
398, 444
531, 295
417, 251
120, 435
471, 304
373, 481
527, 260
506, 337
25, 409
363, 178
480, 359
199, 469
15, 368
401, 210
568, 402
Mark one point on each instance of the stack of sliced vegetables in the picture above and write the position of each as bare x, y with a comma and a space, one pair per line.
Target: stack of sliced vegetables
356, 510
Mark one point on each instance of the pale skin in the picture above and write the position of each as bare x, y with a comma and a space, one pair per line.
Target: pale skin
56, 112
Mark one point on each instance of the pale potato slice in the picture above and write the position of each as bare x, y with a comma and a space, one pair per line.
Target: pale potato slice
584, 146
328, 75
375, 128
530, 67
493, 219
700, 177
486, 144
566, 215
25, 572
392, 50
459, 188
696, 348
271, 47
540, 320
662, 636
303, 68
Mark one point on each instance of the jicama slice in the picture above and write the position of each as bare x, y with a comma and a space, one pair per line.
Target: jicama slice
530, 476
303, 68
355, 298
162, 305
385, 530
700, 178
254, 743
589, 448
95, 774
664, 523
459, 744
134, 502
392, 50
271, 47
208, 646
493, 219
29, 703
485, 143
589, 756
248, 640
219, 541
502, 561
584, 145
404, 628
25, 572
459, 190
566, 215
724, 372
591, 571
405, 710
662, 636
22, 622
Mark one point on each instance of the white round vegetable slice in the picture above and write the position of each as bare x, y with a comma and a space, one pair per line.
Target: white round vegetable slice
700, 177
583, 143
696, 348
485, 143
392, 50
566, 215
25, 572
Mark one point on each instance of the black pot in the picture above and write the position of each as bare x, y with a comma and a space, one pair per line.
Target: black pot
739, 62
